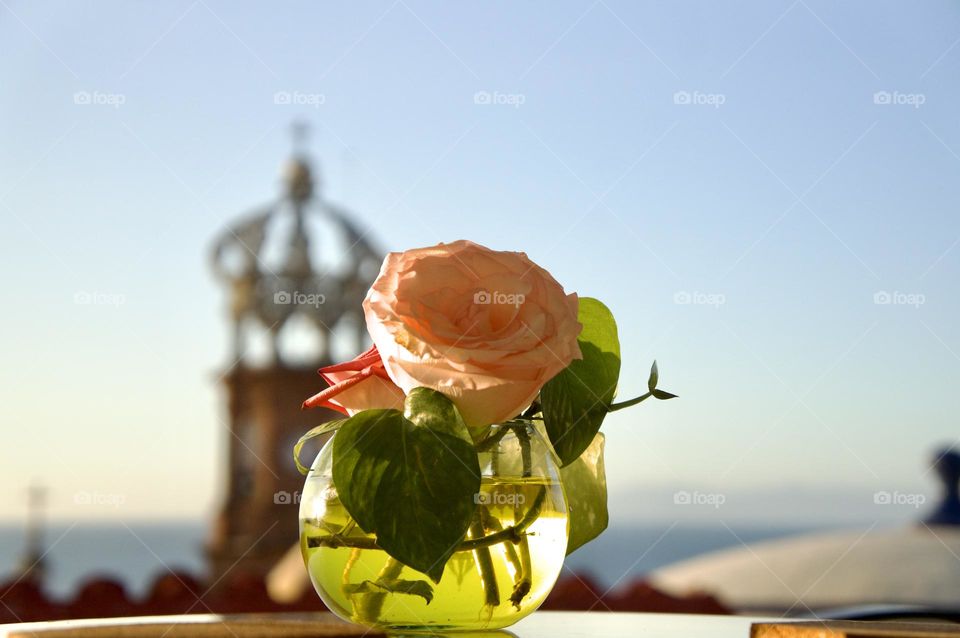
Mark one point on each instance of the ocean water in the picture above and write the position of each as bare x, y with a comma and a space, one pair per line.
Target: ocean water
133, 553
136, 553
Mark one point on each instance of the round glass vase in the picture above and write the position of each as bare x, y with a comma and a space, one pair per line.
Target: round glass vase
501, 572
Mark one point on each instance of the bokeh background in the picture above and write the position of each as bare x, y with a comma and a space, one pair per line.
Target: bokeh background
764, 193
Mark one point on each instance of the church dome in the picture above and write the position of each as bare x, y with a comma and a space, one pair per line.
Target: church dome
297, 270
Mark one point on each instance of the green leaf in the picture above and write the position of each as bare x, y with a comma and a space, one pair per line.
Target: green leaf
321, 429
354, 445
412, 485
663, 395
585, 484
430, 409
414, 587
654, 377
575, 401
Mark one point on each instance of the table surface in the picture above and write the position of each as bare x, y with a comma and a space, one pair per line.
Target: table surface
548, 624
562, 624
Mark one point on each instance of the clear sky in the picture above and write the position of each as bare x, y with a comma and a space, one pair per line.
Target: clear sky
774, 164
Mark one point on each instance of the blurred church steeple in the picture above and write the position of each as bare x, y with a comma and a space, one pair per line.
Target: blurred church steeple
296, 271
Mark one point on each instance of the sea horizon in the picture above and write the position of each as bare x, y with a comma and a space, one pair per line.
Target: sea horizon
136, 553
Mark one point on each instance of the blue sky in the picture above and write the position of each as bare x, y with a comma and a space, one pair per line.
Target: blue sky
777, 164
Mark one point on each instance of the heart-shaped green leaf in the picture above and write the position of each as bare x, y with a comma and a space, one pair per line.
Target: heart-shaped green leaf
355, 445
575, 401
412, 483
585, 484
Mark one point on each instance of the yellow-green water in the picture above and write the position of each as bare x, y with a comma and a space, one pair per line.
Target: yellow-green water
520, 575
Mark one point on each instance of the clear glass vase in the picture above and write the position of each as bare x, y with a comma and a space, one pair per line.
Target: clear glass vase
501, 572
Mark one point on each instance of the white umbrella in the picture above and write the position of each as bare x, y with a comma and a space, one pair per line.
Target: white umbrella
917, 565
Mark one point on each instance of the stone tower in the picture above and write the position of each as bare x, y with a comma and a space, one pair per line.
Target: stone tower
296, 271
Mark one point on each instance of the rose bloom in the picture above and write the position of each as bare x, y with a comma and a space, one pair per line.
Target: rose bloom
486, 328
357, 385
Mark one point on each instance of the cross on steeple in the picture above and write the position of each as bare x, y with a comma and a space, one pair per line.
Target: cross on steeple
299, 133
32, 567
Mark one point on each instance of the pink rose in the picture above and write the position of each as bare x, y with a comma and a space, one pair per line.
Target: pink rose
486, 328
357, 385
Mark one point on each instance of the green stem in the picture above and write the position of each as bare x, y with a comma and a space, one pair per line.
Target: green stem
511, 553
525, 578
488, 577
512, 534
523, 437
524, 582
345, 578
532, 411
373, 605
351, 561
613, 407
492, 440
